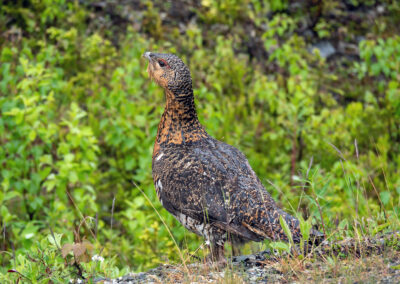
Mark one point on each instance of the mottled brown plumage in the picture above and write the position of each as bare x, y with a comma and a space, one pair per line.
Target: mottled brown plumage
206, 184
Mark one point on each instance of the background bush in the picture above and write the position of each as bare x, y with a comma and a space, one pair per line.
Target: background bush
308, 90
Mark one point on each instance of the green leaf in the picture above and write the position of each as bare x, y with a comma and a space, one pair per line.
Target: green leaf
305, 227
5, 214
32, 135
29, 231
69, 157
57, 237
73, 176
129, 163
380, 228
385, 197
396, 267
280, 246
344, 224
44, 172
286, 229
11, 194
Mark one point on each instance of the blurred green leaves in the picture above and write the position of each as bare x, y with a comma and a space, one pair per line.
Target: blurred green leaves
79, 115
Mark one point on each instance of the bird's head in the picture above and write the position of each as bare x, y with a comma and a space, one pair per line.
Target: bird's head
169, 71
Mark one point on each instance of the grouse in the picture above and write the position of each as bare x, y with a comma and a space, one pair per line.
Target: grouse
207, 185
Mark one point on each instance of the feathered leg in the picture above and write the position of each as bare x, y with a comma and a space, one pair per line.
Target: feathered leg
236, 243
217, 254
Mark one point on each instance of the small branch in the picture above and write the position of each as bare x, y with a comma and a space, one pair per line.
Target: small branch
78, 267
77, 210
19, 273
379, 198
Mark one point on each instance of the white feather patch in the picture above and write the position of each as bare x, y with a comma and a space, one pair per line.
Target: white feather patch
159, 156
159, 185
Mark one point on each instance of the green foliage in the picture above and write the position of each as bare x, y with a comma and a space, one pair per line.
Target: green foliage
78, 118
45, 264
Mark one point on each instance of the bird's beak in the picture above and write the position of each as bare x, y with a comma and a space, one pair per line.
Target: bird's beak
147, 55
150, 66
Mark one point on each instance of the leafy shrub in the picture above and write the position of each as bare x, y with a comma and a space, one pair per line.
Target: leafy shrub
78, 118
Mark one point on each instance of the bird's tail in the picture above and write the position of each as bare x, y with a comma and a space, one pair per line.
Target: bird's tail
271, 226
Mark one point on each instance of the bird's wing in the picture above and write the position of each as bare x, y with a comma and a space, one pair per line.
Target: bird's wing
213, 183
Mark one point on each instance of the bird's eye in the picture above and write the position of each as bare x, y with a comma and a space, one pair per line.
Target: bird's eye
162, 63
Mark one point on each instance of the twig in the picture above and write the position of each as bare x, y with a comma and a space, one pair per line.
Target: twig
355, 144
379, 198
76, 264
337, 150
84, 220
193, 254
19, 273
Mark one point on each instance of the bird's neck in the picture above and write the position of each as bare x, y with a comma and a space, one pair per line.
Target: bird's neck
179, 123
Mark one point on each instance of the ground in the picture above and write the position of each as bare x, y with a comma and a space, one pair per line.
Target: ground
371, 260
382, 268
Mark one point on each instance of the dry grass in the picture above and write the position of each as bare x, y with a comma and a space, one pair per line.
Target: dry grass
369, 269
329, 269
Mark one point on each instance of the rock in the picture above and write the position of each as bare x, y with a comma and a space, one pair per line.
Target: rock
326, 49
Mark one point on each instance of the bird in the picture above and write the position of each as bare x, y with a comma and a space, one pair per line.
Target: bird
206, 184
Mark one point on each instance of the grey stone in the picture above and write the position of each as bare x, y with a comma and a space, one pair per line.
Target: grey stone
326, 49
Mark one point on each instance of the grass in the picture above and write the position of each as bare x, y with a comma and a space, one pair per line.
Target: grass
348, 269
345, 269
352, 251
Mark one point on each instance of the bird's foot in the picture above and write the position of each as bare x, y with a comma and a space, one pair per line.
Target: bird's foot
216, 258
215, 263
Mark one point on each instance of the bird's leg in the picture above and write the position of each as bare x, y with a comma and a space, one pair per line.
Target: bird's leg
236, 250
236, 244
217, 254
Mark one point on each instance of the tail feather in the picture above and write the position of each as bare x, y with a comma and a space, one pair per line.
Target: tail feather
270, 225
